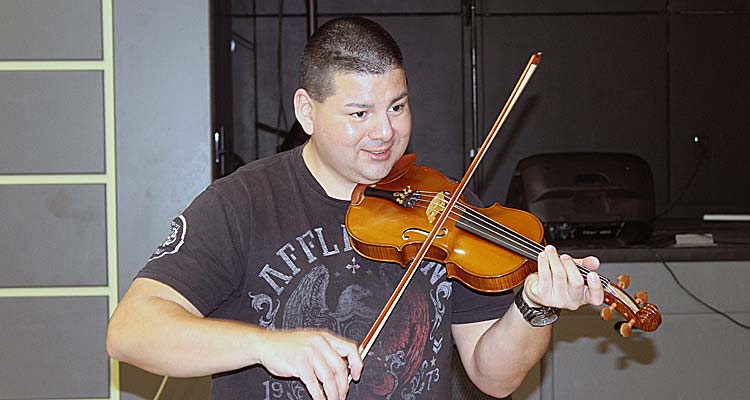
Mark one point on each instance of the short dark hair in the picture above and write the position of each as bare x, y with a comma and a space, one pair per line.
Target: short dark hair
348, 44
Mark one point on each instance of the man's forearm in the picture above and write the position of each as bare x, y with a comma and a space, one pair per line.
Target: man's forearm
506, 352
164, 338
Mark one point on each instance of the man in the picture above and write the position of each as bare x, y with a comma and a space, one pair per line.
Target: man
258, 285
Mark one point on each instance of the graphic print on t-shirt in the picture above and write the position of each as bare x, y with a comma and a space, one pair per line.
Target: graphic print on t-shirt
331, 287
175, 239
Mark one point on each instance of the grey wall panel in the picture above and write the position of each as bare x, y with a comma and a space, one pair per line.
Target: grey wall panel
710, 57
575, 6
53, 348
50, 30
52, 235
52, 122
600, 87
690, 357
709, 5
269, 7
162, 108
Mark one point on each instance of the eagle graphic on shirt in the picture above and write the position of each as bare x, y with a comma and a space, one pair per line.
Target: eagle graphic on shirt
398, 352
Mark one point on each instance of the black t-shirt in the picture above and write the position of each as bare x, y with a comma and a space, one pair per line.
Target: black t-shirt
267, 246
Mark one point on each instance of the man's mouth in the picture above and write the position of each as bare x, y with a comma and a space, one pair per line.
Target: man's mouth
379, 154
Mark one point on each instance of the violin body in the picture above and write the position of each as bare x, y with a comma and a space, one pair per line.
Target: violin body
382, 229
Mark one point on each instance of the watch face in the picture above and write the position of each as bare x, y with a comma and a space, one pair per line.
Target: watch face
544, 319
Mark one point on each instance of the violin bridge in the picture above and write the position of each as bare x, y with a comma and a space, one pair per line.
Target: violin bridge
437, 205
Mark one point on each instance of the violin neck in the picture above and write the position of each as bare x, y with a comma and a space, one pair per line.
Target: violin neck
510, 240
501, 236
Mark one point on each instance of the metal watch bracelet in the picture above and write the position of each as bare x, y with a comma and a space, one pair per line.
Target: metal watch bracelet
536, 316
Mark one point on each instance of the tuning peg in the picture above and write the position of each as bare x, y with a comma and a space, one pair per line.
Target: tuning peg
606, 312
641, 297
623, 281
626, 328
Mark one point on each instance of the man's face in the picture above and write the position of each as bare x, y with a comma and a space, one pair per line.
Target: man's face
360, 130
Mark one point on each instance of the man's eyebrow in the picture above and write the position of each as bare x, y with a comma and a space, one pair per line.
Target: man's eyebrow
358, 105
364, 105
400, 97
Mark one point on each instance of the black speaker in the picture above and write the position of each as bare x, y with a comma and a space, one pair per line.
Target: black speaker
586, 196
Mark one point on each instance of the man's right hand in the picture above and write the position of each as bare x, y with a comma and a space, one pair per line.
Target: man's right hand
322, 360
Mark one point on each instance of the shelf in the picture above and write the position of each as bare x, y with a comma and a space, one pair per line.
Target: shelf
732, 243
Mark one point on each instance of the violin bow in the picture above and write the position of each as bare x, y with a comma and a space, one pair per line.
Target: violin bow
369, 340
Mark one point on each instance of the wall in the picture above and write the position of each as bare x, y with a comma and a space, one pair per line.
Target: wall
81, 207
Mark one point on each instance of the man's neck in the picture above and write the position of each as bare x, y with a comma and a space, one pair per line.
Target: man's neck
331, 183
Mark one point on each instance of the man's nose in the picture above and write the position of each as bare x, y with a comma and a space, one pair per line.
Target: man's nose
383, 129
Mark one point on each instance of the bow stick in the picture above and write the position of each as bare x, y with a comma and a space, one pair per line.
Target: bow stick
368, 341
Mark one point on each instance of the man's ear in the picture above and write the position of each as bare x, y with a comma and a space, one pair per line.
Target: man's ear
303, 110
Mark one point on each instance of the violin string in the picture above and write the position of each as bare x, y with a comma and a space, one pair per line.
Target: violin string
503, 230
483, 221
514, 241
528, 247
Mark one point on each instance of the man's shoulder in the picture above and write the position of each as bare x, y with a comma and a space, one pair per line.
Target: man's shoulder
274, 164
274, 168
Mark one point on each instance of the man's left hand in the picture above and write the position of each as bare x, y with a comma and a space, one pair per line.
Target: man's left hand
559, 283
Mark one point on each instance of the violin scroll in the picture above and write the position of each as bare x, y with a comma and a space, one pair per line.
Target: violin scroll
638, 312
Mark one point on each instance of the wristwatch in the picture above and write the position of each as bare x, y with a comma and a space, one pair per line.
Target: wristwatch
536, 316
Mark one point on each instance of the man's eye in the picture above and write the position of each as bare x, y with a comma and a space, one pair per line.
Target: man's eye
397, 108
359, 114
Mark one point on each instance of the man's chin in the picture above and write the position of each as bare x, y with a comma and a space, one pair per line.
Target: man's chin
373, 177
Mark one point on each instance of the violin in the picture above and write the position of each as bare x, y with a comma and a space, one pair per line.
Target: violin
415, 213
488, 249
